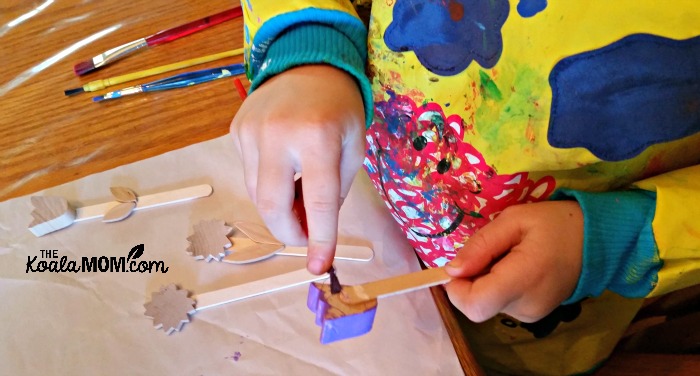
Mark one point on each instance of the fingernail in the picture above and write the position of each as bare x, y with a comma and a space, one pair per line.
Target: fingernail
315, 265
455, 263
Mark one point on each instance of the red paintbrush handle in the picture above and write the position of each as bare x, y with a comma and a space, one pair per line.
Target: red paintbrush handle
166, 36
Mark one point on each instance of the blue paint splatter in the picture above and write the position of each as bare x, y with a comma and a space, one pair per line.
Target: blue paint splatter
529, 8
461, 31
246, 34
620, 99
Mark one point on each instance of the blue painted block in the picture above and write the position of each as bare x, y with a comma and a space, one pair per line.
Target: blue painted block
337, 320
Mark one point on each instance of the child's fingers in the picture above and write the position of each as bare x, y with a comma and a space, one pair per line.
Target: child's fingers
490, 294
275, 195
350, 163
486, 246
249, 157
321, 189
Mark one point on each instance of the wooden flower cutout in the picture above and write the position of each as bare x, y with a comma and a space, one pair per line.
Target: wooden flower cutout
50, 214
209, 241
127, 202
170, 308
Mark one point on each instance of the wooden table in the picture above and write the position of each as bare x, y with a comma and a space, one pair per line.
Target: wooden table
47, 139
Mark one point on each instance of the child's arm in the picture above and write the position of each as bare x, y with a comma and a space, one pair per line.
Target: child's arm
307, 112
637, 243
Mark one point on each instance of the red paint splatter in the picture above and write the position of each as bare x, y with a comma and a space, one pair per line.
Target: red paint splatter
456, 10
654, 167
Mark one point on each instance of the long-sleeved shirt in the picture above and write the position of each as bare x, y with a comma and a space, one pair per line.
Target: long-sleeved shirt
476, 105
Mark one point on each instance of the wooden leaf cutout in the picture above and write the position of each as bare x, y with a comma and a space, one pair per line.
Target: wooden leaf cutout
119, 212
50, 214
252, 253
170, 308
258, 233
123, 194
209, 241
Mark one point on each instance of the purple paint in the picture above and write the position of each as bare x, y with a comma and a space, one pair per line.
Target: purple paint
235, 357
336, 325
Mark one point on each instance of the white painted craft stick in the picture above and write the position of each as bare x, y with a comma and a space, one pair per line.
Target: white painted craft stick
54, 213
231, 294
342, 252
394, 285
146, 202
246, 250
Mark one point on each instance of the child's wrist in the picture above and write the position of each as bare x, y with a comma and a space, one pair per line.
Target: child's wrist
617, 240
314, 44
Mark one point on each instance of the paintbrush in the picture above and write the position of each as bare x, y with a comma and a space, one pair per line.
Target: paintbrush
104, 83
156, 39
177, 81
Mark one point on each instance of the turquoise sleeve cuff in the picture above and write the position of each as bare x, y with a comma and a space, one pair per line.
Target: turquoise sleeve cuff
619, 250
314, 43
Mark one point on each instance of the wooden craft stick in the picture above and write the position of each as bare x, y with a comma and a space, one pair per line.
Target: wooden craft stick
394, 285
146, 202
342, 252
255, 288
245, 250
171, 308
351, 312
54, 213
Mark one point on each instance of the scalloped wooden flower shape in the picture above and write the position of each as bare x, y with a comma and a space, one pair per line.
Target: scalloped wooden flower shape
50, 214
210, 240
170, 308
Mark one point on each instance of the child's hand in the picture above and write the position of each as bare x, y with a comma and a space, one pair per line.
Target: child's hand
309, 119
524, 263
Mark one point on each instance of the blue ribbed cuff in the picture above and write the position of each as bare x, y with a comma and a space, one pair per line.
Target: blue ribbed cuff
619, 251
315, 43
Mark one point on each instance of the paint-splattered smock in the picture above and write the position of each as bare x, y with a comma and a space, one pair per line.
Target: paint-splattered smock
475, 105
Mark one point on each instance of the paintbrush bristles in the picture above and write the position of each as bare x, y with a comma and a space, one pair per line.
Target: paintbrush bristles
84, 67
70, 92
336, 287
